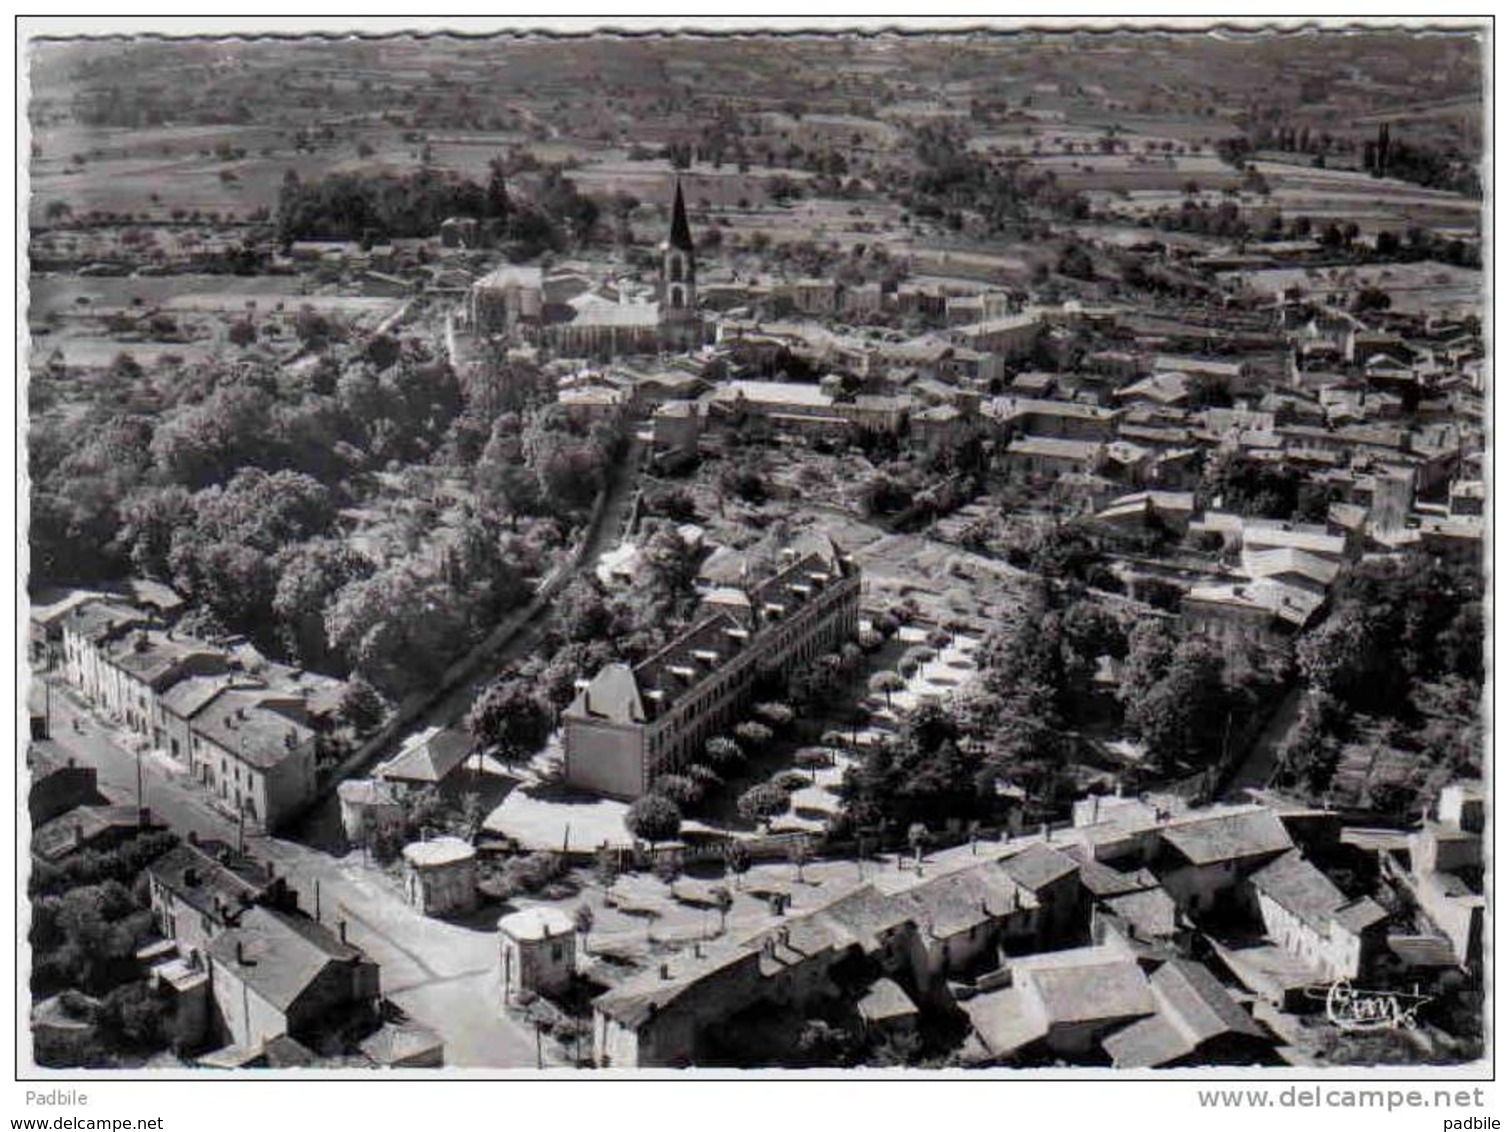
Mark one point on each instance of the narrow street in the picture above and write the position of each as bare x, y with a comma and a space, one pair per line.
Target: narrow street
453, 708
1263, 757
443, 974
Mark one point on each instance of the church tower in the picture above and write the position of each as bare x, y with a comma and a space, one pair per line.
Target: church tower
678, 266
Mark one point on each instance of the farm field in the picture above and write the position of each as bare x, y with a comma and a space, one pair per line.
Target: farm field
1413, 288
75, 295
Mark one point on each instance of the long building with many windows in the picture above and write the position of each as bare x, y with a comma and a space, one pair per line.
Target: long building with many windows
630, 724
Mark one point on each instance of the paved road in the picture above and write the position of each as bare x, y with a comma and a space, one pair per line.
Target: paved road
1263, 756
443, 974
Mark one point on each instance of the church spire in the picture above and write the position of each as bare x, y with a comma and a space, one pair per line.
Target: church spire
681, 233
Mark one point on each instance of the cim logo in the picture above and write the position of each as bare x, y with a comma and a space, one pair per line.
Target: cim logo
1355, 1009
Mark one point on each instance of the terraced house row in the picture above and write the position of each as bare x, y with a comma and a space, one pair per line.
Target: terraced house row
629, 725
244, 729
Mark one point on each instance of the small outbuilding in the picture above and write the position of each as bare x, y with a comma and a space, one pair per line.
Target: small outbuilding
368, 806
426, 759
538, 951
440, 876
885, 1008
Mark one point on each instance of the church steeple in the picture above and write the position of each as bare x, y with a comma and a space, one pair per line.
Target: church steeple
679, 264
681, 232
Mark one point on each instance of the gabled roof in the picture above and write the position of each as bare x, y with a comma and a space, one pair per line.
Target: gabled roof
1163, 388
1038, 866
1306, 892
1055, 447
1198, 1003
613, 695
207, 884
281, 954
1228, 837
189, 696
1102, 880
80, 827
1087, 991
885, 1000
253, 725
1151, 913
639, 998
1288, 560
1288, 603
101, 620
155, 659
428, 757
1147, 1044
512, 275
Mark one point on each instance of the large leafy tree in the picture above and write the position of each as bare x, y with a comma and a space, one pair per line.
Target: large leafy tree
510, 717
653, 818
763, 802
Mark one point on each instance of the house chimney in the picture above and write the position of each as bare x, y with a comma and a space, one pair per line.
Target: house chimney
191, 877
193, 838
665, 970
1048, 833
240, 953
341, 926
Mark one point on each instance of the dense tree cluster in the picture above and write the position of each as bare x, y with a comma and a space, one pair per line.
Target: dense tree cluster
89, 916
384, 206
1175, 699
949, 180
926, 774
226, 480
1395, 625
1398, 665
